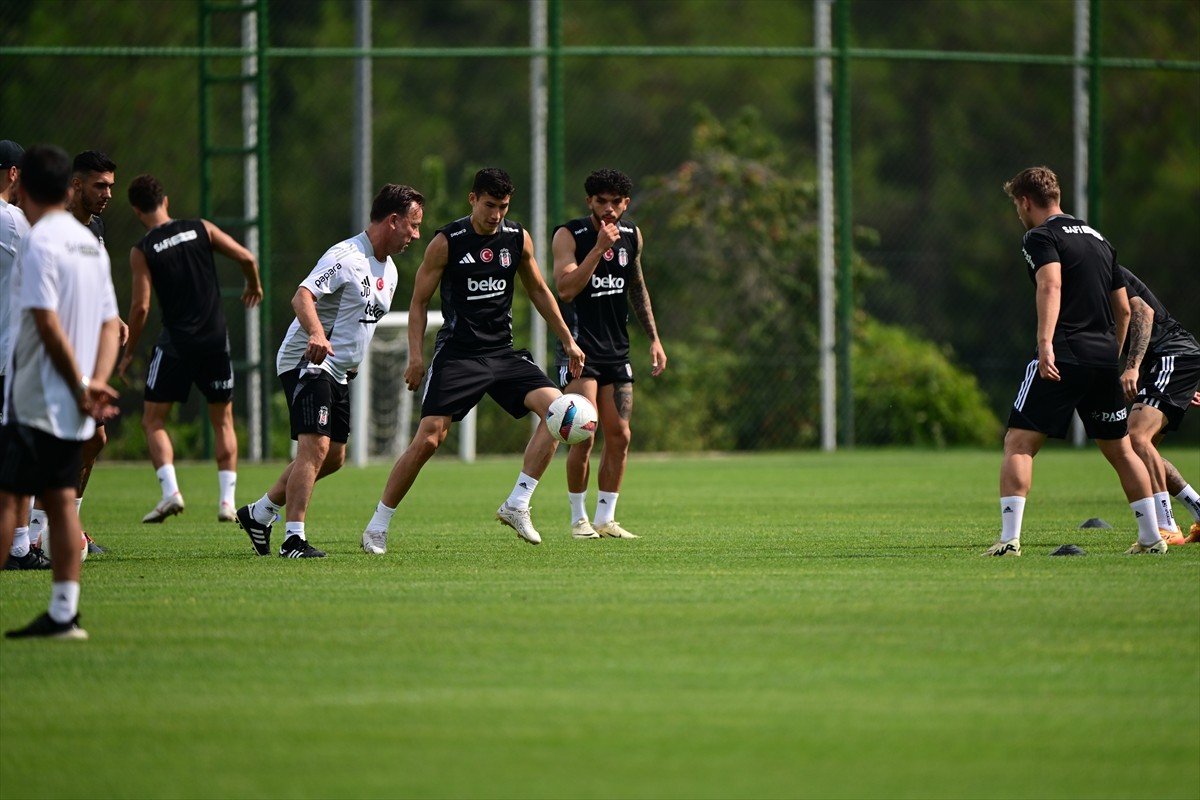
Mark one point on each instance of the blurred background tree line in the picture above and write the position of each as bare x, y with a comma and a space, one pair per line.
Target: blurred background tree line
722, 153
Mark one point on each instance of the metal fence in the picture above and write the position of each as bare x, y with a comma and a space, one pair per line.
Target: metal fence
250, 113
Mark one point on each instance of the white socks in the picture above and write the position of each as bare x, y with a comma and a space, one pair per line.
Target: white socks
1012, 513
1163, 513
1190, 499
382, 518
264, 511
167, 480
226, 483
1147, 522
578, 502
20, 545
295, 529
522, 492
64, 601
37, 523
606, 507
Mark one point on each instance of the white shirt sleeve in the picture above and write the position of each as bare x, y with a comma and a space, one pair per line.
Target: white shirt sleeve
39, 277
333, 271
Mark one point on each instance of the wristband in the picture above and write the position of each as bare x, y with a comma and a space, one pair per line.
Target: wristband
82, 388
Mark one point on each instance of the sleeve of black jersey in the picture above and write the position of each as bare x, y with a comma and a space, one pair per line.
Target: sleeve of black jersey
1118, 276
1040, 248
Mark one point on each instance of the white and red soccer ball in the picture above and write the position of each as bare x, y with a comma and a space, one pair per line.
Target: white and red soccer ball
571, 419
43, 542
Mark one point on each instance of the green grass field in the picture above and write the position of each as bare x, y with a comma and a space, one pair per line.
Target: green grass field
797, 625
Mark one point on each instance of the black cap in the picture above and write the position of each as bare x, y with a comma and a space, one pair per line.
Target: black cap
10, 153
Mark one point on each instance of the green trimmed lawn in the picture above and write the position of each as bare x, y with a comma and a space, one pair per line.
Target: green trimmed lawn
793, 625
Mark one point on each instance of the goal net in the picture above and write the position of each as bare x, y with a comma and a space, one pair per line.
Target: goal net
385, 413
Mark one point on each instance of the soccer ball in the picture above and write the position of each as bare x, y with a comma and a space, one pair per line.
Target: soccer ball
44, 543
571, 419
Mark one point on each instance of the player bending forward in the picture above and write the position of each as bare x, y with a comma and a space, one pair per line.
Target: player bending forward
337, 307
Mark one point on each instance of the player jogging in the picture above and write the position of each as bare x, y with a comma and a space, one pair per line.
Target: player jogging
598, 275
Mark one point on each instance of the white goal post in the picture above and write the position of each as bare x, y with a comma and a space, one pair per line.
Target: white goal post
363, 416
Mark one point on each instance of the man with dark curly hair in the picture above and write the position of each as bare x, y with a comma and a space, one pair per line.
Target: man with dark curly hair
598, 275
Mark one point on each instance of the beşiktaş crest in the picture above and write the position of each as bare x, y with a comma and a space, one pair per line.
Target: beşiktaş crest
505, 258
623, 257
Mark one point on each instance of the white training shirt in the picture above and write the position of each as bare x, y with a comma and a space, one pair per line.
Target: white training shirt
64, 269
13, 228
353, 291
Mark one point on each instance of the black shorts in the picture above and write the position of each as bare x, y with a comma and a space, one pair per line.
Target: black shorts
169, 378
604, 374
33, 461
1169, 385
1047, 406
455, 384
318, 404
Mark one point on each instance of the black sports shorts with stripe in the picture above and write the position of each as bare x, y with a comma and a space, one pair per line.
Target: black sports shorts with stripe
455, 384
1168, 385
1047, 406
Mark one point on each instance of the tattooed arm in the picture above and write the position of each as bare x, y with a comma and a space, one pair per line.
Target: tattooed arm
1141, 323
639, 299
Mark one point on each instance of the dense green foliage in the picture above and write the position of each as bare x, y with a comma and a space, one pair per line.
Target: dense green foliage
794, 625
907, 391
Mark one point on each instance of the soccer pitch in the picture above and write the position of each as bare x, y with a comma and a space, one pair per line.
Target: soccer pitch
792, 625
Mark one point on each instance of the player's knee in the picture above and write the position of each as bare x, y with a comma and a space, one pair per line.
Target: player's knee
583, 450
1141, 440
428, 443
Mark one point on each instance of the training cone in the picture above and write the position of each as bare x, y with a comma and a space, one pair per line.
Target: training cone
1095, 522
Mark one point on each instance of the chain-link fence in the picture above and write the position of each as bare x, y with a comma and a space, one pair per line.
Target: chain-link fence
711, 107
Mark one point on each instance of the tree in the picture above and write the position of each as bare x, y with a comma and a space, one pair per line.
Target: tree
731, 265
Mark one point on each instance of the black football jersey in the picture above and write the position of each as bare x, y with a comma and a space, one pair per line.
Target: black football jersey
599, 315
1167, 337
179, 254
1086, 331
96, 226
477, 288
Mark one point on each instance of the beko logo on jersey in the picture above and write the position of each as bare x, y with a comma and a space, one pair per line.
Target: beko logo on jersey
179, 238
374, 312
326, 275
1088, 229
487, 285
606, 285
